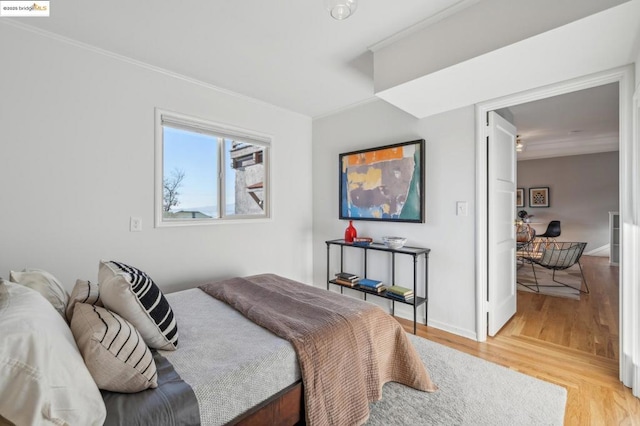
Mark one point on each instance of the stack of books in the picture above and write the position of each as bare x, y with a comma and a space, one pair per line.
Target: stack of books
362, 241
402, 294
373, 286
347, 279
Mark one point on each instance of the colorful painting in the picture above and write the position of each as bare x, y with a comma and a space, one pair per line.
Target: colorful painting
384, 183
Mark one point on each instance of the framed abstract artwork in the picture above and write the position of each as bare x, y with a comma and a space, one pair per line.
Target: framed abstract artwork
520, 197
385, 183
539, 197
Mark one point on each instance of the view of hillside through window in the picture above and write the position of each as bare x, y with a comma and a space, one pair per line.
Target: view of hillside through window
202, 172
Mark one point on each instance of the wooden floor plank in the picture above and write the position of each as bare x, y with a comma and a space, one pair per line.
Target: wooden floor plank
572, 343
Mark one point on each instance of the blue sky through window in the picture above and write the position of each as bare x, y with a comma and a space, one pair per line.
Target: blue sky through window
196, 154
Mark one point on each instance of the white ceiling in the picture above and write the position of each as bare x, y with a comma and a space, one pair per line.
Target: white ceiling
291, 54
580, 122
288, 53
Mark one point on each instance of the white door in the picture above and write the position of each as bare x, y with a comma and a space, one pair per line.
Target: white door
501, 186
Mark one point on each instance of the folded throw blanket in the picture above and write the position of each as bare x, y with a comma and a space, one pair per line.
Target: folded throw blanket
347, 348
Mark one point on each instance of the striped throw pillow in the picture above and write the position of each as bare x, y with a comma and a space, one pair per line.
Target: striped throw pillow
132, 294
83, 292
114, 352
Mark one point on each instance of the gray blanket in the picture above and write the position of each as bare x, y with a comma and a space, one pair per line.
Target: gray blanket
230, 363
172, 403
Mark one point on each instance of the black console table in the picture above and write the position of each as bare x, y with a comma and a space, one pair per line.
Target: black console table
415, 252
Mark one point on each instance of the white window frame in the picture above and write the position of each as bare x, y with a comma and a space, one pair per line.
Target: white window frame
177, 120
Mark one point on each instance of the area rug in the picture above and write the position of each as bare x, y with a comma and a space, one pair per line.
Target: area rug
570, 276
471, 391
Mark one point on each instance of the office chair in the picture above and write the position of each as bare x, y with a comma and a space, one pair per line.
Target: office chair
552, 232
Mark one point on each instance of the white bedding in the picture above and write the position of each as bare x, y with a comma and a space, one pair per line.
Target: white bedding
231, 363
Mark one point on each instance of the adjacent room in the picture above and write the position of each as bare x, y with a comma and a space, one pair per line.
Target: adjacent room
311, 212
567, 149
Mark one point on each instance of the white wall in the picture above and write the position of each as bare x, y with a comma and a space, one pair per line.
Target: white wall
77, 152
637, 61
450, 177
637, 57
583, 189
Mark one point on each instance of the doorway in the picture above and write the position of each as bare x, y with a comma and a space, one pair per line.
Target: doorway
570, 143
569, 148
624, 77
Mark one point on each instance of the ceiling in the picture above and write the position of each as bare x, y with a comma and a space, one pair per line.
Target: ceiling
289, 53
580, 122
292, 54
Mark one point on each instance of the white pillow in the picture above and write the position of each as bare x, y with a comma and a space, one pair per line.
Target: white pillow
132, 294
114, 352
45, 284
43, 379
83, 292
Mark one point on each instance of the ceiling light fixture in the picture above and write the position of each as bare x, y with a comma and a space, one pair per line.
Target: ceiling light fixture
341, 9
519, 144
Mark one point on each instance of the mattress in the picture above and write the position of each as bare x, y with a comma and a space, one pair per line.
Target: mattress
231, 363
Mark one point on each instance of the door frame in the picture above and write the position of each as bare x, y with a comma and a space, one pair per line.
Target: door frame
629, 167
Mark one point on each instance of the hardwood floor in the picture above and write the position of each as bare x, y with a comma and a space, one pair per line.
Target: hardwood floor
572, 343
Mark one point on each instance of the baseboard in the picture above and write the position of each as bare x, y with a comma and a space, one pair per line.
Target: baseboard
406, 312
454, 330
603, 251
630, 374
439, 325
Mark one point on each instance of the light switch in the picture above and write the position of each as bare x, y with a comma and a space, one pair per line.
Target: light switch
135, 224
462, 208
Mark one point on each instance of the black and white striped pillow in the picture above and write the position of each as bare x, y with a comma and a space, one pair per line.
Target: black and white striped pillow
114, 352
83, 292
132, 294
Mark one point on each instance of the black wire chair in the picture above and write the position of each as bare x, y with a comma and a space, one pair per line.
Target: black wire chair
557, 257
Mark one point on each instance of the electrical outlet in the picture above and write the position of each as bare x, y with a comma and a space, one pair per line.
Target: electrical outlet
462, 208
135, 224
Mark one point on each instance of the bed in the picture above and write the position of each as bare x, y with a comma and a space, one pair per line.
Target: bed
216, 365
233, 367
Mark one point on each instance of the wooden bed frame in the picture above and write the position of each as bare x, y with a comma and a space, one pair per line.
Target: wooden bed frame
285, 408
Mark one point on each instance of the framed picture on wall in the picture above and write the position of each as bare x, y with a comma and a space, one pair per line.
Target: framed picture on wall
385, 183
539, 197
520, 197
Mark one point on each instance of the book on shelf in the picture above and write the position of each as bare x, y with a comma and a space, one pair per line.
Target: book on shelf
347, 276
394, 296
362, 241
366, 282
378, 290
400, 291
345, 283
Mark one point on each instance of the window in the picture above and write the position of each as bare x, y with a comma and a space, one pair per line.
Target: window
208, 173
